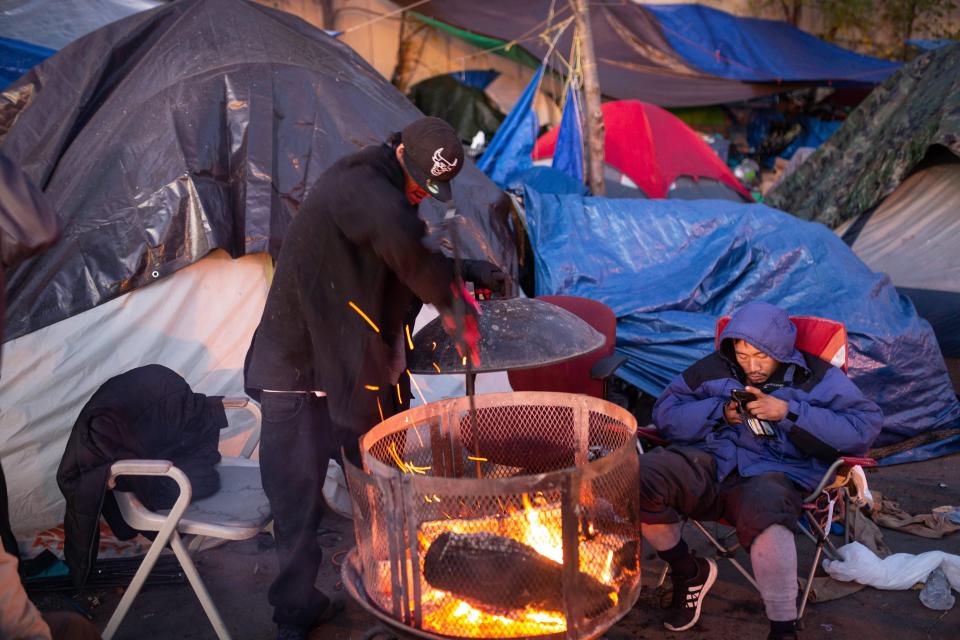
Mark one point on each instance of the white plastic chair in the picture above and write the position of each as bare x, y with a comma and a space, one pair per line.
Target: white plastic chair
238, 511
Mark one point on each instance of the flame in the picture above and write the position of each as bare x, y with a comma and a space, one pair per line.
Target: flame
606, 575
536, 524
547, 541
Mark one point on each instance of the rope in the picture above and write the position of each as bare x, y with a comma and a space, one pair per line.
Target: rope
526, 37
386, 15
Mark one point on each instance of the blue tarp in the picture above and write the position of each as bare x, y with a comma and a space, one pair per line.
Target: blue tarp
548, 180
18, 57
669, 269
756, 50
815, 133
568, 153
929, 45
476, 78
509, 151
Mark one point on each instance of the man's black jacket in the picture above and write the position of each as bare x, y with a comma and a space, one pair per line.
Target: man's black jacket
148, 412
356, 239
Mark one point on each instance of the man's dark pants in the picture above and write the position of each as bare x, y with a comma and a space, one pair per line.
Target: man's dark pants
296, 445
682, 481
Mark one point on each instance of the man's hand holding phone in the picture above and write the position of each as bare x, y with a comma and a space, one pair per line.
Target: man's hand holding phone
731, 413
766, 407
750, 400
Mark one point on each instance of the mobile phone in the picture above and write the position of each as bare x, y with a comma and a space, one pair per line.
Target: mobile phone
759, 428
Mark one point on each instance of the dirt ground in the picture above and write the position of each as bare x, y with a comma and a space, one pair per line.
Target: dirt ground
239, 574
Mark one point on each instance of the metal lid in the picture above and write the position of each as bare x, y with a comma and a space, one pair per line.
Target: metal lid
515, 333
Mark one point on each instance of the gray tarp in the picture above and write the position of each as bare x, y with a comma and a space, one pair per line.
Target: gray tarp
195, 126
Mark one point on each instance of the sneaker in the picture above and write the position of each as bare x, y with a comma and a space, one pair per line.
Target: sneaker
688, 596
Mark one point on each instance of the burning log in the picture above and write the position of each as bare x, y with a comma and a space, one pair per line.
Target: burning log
492, 571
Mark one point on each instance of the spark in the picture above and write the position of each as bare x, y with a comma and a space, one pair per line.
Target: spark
434, 347
363, 315
380, 408
399, 397
464, 360
436, 366
371, 387
416, 430
409, 339
406, 467
413, 381
477, 458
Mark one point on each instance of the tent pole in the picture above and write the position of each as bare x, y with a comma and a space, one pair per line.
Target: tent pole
591, 90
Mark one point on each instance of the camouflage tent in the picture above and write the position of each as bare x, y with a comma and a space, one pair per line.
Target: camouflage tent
915, 112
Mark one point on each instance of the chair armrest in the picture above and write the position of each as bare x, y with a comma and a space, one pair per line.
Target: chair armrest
852, 461
138, 467
254, 438
604, 367
652, 436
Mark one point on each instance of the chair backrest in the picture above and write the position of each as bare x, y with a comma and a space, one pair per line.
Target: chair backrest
572, 376
826, 339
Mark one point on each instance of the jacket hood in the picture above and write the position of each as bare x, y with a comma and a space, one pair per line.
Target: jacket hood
765, 326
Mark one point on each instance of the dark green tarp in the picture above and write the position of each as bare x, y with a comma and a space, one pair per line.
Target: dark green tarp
467, 109
880, 143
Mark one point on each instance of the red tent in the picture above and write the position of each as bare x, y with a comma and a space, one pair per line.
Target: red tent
652, 147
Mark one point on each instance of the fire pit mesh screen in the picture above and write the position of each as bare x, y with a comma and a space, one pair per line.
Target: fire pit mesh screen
520, 521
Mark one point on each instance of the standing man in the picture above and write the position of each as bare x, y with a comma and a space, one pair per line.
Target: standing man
329, 351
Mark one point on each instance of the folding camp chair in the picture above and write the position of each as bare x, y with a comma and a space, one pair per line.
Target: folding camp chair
831, 499
238, 511
588, 374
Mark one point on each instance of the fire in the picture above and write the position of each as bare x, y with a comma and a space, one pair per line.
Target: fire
546, 540
537, 525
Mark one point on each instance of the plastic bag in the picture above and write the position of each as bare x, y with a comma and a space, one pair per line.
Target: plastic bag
899, 571
936, 592
335, 491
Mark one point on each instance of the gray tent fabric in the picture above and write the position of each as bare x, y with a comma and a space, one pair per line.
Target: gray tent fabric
687, 188
198, 125
912, 237
57, 23
913, 113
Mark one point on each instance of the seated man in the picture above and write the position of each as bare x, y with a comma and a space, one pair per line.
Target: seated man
717, 468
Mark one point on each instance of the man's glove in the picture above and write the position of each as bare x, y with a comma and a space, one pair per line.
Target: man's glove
485, 275
467, 342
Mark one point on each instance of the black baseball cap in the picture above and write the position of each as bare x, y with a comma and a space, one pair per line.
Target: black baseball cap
433, 155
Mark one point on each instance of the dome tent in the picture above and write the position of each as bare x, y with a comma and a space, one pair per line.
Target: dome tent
655, 150
176, 158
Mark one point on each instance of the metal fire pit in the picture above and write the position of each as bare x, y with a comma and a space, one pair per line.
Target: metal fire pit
515, 333
519, 522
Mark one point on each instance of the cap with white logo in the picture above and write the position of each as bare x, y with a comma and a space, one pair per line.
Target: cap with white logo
433, 155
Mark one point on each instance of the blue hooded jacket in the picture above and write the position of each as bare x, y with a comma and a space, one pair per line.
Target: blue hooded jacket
827, 417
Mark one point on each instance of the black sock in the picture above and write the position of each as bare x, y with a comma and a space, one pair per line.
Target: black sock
783, 627
681, 561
